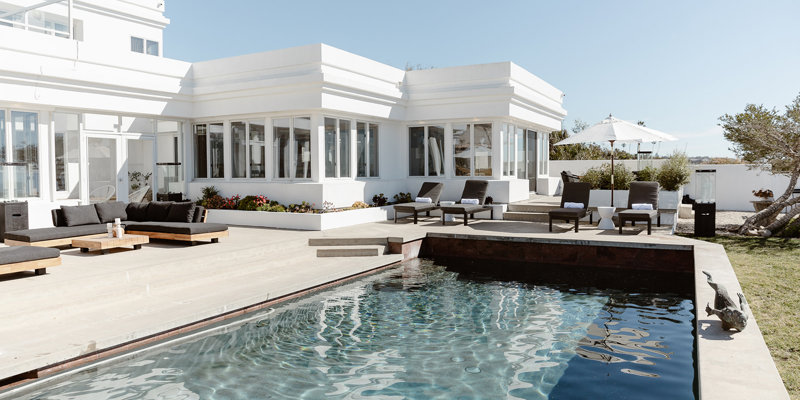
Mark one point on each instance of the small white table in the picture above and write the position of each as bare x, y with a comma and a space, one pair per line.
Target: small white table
448, 217
605, 217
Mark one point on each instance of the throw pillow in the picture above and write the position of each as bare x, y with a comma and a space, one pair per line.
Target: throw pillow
137, 211
158, 211
181, 212
80, 215
110, 210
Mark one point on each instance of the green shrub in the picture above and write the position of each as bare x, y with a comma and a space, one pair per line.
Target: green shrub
402, 198
214, 202
301, 208
600, 177
379, 200
276, 208
675, 172
647, 174
208, 192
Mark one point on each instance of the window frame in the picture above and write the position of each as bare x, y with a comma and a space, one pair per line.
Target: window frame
247, 147
145, 43
368, 173
207, 124
426, 153
9, 184
473, 156
292, 148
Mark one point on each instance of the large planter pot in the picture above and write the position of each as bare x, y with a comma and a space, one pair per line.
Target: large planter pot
301, 221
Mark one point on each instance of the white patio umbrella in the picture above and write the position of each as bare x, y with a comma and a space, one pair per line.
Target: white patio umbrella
616, 130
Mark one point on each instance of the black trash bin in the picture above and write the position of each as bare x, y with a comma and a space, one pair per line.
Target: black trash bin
705, 219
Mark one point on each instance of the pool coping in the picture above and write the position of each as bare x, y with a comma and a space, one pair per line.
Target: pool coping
729, 365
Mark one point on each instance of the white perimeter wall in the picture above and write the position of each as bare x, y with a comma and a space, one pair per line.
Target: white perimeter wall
734, 188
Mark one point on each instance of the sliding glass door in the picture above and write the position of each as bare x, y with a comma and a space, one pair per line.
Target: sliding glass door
102, 168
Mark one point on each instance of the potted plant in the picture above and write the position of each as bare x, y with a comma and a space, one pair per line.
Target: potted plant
764, 199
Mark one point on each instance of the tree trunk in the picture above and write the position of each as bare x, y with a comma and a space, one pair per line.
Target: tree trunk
761, 218
780, 223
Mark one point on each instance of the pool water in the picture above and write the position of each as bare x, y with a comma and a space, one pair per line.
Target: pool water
426, 331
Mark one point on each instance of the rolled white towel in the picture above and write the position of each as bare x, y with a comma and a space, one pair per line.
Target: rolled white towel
642, 206
568, 204
470, 201
423, 200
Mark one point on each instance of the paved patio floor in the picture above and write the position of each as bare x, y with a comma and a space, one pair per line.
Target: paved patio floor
97, 301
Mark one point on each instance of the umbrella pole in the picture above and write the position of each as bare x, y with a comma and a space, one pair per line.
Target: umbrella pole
612, 173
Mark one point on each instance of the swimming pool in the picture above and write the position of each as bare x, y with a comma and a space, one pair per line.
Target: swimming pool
423, 331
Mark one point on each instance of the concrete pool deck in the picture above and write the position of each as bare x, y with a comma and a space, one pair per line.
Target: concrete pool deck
95, 302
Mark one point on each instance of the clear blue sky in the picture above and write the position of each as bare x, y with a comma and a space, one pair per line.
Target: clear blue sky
677, 65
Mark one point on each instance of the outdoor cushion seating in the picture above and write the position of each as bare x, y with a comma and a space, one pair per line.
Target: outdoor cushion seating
641, 193
473, 189
569, 177
574, 192
430, 190
182, 224
16, 259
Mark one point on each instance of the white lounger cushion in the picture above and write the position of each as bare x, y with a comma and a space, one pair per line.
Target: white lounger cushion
470, 201
568, 204
642, 206
423, 200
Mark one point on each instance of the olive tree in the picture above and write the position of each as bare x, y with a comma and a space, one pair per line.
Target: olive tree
770, 140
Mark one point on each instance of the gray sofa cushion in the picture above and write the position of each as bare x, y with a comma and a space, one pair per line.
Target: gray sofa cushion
58, 217
59, 232
80, 215
199, 213
17, 254
181, 212
180, 228
137, 211
158, 211
109, 210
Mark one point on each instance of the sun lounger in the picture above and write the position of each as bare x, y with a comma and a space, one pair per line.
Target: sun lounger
641, 193
576, 193
16, 259
475, 190
429, 190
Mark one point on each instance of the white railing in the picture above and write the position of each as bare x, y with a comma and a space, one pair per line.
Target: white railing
10, 19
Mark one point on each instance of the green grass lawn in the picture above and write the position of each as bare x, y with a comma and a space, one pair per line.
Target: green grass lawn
769, 272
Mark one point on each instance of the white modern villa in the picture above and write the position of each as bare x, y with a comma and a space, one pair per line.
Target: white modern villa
90, 110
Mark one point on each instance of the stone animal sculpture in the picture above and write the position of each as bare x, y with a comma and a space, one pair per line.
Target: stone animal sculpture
731, 315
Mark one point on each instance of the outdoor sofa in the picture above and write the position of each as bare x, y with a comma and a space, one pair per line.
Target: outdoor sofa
475, 190
641, 193
429, 190
17, 259
576, 193
183, 221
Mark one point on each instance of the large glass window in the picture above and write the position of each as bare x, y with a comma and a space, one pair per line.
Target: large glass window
367, 149
426, 143
416, 151
472, 149
483, 149
258, 162
521, 154
66, 155
200, 138
462, 150
302, 145
544, 152
281, 131
3, 168
337, 148
25, 153
209, 151
508, 132
247, 149
292, 147
169, 163
239, 149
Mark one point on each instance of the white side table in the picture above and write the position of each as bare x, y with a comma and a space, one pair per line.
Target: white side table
447, 217
605, 217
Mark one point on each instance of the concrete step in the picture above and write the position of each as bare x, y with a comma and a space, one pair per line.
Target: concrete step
345, 241
351, 251
532, 207
526, 216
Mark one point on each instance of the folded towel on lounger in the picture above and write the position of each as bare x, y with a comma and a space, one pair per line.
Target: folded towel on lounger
423, 200
568, 204
470, 201
642, 206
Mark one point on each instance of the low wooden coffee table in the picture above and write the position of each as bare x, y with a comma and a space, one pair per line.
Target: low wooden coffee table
105, 243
